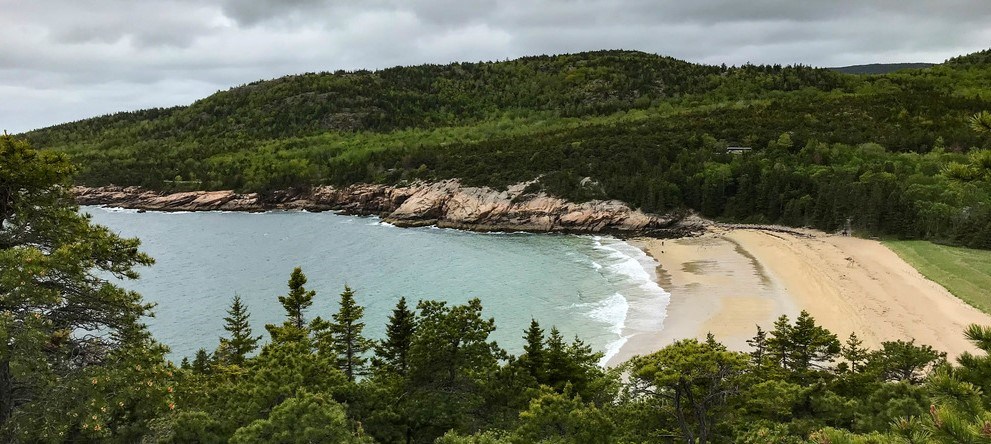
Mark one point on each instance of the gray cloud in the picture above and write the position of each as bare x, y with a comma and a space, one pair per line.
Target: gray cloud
63, 60
253, 12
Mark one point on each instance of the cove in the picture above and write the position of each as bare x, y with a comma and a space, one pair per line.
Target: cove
584, 285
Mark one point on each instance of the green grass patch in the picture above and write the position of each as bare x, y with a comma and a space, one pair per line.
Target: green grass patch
964, 272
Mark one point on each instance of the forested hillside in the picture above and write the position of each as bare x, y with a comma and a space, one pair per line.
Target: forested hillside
879, 68
897, 154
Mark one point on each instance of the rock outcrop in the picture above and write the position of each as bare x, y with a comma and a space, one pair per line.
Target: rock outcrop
142, 199
445, 204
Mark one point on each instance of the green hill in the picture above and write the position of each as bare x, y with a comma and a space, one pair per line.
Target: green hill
879, 68
889, 151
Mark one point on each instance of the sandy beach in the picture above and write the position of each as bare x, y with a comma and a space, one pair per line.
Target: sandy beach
728, 281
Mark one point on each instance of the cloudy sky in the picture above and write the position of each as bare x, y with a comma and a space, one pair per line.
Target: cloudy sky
63, 60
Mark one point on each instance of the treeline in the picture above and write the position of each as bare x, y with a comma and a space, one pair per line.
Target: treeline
437, 377
436, 370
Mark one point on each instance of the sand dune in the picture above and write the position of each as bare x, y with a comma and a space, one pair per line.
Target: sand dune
728, 281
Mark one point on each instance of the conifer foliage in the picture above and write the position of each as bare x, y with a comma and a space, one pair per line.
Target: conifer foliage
533, 359
235, 348
295, 303
981, 122
54, 294
349, 345
392, 353
803, 345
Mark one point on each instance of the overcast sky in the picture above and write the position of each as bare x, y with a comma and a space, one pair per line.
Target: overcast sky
63, 60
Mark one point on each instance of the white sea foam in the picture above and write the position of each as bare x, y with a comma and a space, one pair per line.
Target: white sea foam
611, 310
644, 303
376, 221
611, 349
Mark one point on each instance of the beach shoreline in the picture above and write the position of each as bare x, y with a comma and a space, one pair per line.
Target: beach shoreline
728, 281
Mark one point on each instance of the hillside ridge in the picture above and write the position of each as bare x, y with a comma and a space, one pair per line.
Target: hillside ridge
892, 154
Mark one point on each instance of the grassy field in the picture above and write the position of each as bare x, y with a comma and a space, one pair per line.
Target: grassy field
963, 271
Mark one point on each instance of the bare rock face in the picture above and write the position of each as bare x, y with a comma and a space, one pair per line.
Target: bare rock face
425, 203
136, 197
445, 204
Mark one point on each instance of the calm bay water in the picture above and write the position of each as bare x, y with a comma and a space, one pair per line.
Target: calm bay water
582, 284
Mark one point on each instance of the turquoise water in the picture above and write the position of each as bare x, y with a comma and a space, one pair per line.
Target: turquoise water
582, 284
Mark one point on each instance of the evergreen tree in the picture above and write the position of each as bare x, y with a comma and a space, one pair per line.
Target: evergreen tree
451, 358
349, 345
532, 359
298, 299
975, 368
904, 361
574, 364
779, 343
295, 302
281, 370
854, 353
234, 349
813, 346
563, 418
451, 344
55, 293
584, 368
759, 345
392, 353
802, 346
307, 418
710, 340
556, 361
202, 361
698, 380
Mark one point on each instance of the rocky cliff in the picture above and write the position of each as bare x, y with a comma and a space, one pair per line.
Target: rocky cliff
445, 204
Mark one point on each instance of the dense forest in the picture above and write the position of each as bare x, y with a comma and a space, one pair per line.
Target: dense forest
902, 154
77, 365
879, 68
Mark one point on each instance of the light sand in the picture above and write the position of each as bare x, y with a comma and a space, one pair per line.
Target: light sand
728, 281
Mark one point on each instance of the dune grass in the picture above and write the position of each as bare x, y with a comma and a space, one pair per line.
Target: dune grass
965, 272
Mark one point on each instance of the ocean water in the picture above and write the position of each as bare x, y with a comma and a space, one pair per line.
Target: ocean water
585, 285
